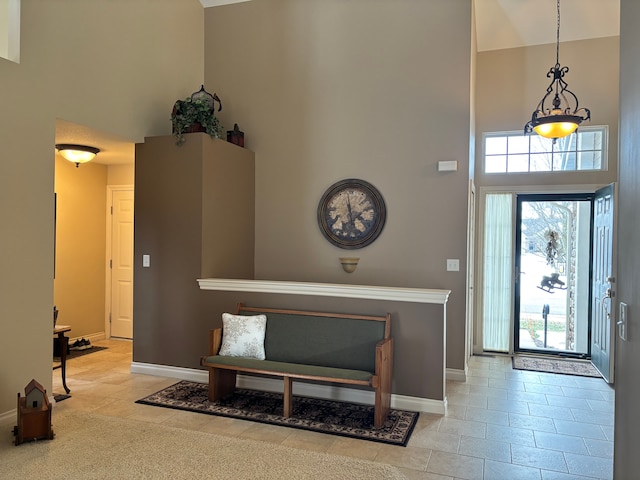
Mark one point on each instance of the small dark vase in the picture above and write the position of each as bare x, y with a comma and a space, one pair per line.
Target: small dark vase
235, 136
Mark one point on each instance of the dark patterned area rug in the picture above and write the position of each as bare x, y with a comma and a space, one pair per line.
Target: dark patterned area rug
325, 416
555, 365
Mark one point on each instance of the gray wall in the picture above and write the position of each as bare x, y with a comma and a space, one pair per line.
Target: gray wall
176, 214
627, 421
327, 90
186, 231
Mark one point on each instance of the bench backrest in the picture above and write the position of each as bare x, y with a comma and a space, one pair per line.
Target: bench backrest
324, 339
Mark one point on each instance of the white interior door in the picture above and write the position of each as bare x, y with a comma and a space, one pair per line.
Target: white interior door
122, 264
602, 283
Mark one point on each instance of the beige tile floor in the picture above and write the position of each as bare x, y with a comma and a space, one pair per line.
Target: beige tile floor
501, 423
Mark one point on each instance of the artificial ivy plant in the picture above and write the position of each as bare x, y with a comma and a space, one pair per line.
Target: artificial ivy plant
196, 114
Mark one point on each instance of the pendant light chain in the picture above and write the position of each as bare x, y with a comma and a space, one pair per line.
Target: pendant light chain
558, 113
558, 35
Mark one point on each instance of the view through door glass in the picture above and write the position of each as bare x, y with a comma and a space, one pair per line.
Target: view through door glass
553, 246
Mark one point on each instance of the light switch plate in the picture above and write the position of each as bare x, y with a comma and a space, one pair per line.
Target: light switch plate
453, 265
146, 260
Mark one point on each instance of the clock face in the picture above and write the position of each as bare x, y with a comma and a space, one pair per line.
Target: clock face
351, 213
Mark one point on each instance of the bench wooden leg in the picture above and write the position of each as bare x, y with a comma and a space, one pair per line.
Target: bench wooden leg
384, 358
222, 382
381, 409
288, 397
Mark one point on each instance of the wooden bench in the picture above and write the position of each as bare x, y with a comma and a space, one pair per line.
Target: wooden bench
299, 345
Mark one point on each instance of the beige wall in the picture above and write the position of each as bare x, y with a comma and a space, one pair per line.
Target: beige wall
511, 82
4, 28
509, 85
120, 74
326, 90
120, 174
79, 284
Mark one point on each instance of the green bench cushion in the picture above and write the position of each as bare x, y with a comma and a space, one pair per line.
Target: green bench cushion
334, 342
291, 368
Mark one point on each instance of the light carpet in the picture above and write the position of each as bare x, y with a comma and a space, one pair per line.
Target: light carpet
91, 446
555, 365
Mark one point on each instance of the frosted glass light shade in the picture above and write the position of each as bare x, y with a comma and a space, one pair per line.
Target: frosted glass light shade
77, 153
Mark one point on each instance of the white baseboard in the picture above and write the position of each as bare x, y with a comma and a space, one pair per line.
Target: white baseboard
329, 392
94, 337
10, 414
178, 373
456, 375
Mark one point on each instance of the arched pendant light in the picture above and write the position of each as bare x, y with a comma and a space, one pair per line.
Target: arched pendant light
77, 153
558, 114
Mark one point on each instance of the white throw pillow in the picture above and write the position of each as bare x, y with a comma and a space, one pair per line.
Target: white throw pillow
243, 336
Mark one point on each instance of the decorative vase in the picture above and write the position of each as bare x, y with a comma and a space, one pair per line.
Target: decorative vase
235, 136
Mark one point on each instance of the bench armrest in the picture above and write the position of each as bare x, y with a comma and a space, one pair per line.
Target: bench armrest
384, 357
215, 341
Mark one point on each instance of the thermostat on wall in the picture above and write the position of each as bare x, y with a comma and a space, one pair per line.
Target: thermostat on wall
448, 166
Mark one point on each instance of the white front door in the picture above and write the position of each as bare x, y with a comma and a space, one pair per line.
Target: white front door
602, 283
122, 264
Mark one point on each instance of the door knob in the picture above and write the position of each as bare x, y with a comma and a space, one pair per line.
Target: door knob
608, 294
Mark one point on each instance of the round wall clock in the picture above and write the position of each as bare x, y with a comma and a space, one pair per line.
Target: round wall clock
351, 213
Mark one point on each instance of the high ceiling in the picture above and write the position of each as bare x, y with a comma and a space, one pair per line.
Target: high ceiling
113, 149
517, 23
499, 24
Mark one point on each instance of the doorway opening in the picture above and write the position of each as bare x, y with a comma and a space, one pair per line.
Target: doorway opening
548, 275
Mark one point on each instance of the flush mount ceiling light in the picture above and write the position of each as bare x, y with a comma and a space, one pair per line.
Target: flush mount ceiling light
558, 114
77, 153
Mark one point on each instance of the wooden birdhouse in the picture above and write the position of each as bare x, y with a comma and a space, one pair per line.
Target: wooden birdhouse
34, 415
35, 394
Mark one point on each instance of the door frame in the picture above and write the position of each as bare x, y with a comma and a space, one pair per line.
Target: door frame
479, 274
107, 258
471, 242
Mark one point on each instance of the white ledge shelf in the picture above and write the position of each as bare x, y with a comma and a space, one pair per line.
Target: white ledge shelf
395, 294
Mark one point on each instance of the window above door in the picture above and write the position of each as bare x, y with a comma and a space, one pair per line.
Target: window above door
515, 152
